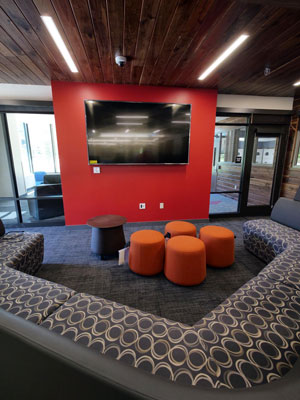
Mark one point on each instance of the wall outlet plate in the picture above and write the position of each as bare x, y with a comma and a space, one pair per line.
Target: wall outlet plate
142, 206
96, 170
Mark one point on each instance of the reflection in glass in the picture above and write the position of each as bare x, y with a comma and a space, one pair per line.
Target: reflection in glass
137, 133
34, 149
262, 170
45, 210
228, 155
6, 189
8, 213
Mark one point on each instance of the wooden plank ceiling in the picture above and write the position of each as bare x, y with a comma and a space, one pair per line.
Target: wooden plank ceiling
167, 42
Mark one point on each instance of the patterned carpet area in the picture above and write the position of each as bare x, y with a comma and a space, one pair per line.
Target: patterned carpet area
69, 261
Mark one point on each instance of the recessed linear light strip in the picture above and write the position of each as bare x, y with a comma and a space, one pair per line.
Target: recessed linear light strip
297, 83
52, 29
129, 123
132, 116
223, 56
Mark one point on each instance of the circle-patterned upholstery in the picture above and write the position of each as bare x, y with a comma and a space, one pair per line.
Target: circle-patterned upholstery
219, 244
266, 238
22, 251
185, 262
30, 297
251, 338
178, 228
147, 252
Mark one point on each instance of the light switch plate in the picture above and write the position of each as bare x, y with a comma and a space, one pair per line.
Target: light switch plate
96, 170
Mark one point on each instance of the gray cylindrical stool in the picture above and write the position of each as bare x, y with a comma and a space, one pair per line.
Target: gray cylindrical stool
107, 234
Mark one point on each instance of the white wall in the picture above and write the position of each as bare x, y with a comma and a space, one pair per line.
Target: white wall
254, 102
25, 92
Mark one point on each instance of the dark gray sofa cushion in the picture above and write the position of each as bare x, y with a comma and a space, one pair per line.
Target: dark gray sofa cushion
287, 212
250, 339
30, 297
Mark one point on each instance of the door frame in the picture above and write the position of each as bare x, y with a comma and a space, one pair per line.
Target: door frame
23, 107
279, 131
279, 122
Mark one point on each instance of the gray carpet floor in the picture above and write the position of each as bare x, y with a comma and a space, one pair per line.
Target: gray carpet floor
69, 261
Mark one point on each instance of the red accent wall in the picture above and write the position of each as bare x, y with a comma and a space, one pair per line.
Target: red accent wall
119, 189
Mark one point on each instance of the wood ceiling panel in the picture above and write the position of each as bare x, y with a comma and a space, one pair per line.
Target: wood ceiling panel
165, 16
100, 23
214, 41
25, 28
183, 11
67, 20
167, 42
33, 17
132, 15
115, 15
8, 59
199, 24
86, 30
45, 7
32, 70
8, 73
147, 23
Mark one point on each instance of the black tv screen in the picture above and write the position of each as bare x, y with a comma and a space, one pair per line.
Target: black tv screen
137, 133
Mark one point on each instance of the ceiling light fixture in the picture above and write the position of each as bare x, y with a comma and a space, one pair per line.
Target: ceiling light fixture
129, 123
297, 83
132, 116
52, 29
223, 56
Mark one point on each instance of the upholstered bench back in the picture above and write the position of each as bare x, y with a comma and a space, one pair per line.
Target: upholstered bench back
287, 212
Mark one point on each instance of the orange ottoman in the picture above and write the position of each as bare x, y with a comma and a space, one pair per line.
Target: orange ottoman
219, 244
147, 252
176, 228
185, 262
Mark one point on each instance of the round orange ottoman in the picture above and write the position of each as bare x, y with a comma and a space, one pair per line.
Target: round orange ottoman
176, 228
185, 262
147, 252
219, 244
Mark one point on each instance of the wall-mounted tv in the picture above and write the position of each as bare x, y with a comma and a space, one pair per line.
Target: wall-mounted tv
137, 133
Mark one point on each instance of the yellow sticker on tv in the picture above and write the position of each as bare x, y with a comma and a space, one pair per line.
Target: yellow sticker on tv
93, 161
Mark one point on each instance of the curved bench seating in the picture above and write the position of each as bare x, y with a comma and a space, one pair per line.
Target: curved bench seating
247, 340
251, 339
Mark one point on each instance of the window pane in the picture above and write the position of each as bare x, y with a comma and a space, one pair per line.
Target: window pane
232, 120
34, 148
264, 151
8, 212
6, 189
262, 170
42, 210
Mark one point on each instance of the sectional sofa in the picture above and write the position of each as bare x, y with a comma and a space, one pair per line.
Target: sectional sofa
74, 345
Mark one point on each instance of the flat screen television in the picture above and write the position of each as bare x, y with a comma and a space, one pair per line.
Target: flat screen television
137, 133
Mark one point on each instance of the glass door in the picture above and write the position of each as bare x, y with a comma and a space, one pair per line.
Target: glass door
227, 166
264, 161
8, 205
30, 183
264, 156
